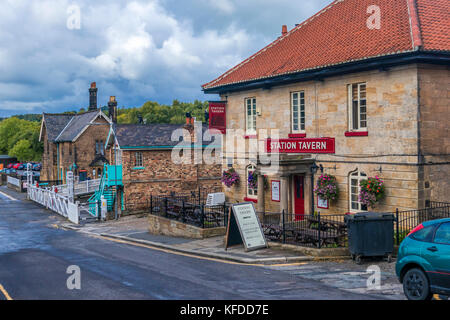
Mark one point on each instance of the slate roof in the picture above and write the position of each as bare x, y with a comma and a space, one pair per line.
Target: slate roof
55, 123
66, 127
76, 126
150, 135
339, 34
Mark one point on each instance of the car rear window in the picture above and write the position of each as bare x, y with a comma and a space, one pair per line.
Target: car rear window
426, 234
443, 234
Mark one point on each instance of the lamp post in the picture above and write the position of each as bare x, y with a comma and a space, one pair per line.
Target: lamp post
313, 169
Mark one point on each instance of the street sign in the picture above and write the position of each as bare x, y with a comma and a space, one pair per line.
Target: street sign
244, 228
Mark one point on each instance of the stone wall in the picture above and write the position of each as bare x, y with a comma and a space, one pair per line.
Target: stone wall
390, 150
434, 85
163, 226
160, 175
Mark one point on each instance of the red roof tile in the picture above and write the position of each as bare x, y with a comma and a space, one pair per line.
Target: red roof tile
339, 34
434, 19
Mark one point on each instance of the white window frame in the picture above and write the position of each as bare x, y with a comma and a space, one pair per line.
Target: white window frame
301, 121
357, 176
350, 108
250, 102
138, 160
251, 193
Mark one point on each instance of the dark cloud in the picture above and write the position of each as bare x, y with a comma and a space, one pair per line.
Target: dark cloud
137, 50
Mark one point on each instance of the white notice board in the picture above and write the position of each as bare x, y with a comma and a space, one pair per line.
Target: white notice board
249, 226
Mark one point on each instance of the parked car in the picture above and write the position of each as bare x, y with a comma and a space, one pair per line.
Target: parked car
16, 166
423, 262
10, 166
37, 167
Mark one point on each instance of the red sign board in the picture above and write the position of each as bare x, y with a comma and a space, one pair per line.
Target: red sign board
313, 145
218, 116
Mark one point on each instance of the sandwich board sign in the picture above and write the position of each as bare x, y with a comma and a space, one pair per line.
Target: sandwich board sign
244, 228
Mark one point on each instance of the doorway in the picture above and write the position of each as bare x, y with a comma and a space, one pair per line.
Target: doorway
299, 197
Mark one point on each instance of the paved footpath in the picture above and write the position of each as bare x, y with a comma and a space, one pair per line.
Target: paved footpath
35, 252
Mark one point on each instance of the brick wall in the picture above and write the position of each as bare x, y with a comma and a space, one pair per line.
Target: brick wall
160, 175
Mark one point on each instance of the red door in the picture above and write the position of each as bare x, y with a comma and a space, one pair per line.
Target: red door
299, 198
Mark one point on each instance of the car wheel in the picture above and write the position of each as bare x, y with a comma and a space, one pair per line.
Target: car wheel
416, 285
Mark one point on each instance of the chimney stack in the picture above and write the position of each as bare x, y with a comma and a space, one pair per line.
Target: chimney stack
112, 107
93, 97
284, 30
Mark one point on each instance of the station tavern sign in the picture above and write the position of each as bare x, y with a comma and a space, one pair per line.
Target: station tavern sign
313, 145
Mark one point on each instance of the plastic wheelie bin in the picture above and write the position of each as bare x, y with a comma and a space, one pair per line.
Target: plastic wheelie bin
370, 234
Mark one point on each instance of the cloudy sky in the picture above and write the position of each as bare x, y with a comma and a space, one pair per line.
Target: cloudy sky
139, 50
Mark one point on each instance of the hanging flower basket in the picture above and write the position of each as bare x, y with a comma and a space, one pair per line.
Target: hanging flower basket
253, 181
327, 187
230, 178
372, 191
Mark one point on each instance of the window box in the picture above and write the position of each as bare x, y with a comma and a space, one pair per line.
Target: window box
251, 136
139, 168
297, 135
247, 199
357, 134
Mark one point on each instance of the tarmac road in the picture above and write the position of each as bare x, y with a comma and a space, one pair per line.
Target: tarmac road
35, 256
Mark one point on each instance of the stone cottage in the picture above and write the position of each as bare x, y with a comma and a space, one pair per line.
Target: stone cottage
145, 153
75, 142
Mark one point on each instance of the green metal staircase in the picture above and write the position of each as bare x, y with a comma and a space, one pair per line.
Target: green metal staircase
109, 183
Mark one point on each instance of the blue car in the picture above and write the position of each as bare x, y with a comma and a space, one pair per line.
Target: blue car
423, 262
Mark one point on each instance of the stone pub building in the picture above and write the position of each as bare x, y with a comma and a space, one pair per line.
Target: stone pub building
351, 98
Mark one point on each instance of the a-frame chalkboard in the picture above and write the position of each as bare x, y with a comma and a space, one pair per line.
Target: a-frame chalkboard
244, 228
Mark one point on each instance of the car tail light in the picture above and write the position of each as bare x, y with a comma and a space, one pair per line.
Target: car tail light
419, 227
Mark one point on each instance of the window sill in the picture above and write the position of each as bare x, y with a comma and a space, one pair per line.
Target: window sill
251, 200
138, 168
297, 135
357, 134
251, 136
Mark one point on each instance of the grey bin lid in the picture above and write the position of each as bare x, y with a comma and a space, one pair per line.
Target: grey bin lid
370, 216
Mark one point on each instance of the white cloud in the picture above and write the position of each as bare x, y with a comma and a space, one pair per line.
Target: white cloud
137, 50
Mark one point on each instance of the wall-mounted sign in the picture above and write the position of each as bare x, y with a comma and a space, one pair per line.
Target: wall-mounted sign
276, 186
322, 203
310, 145
244, 228
218, 116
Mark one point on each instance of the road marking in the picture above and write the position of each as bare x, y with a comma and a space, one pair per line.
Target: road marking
191, 255
8, 196
5, 293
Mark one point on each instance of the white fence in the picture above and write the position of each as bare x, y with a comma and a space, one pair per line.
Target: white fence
55, 202
80, 188
13, 181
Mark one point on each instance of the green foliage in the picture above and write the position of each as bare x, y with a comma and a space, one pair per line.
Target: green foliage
20, 138
152, 112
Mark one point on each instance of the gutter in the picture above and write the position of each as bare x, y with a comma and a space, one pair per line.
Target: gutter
382, 62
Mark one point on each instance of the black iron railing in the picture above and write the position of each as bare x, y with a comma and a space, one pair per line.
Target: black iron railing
317, 231
406, 221
195, 213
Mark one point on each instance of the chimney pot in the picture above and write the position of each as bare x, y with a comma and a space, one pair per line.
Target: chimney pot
284, 30
93, 97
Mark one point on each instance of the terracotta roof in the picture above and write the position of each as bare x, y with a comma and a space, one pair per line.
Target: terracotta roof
434, 19
339, 34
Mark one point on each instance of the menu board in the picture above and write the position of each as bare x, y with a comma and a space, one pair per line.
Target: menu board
246, 220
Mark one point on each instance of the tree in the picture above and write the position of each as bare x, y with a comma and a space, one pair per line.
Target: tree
22, 150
